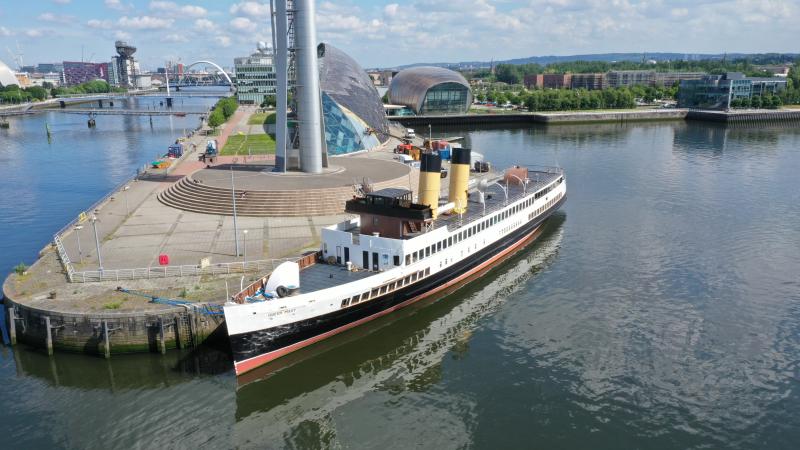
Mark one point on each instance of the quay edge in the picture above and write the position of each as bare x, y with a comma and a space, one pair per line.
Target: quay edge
126, 331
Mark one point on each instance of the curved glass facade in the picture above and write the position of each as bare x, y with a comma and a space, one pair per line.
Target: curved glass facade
446, 98
345, 132
352, 108
431, 90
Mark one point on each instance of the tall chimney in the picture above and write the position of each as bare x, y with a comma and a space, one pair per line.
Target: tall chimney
430, 181
459, 179
309, 108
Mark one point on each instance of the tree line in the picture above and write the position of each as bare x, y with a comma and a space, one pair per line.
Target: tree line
516, 73
15, 94
223, 110
578, 99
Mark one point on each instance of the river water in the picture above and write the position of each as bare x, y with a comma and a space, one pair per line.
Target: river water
659, 309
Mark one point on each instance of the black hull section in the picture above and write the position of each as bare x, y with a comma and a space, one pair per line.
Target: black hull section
251, 344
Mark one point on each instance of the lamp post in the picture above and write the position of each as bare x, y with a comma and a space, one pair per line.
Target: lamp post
78, 229
504, 188
97, 244
235, 226
245, 245
125, 193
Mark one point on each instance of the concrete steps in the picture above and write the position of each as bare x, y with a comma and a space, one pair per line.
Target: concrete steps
188, 195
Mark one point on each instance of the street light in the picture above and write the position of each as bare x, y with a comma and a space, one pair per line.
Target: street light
97, 243
78, 228
235, 226
245, 245
125, 192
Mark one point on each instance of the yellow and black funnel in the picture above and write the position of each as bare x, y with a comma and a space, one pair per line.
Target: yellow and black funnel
459, 179
430, 180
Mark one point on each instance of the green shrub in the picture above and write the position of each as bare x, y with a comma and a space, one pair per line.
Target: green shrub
20, 269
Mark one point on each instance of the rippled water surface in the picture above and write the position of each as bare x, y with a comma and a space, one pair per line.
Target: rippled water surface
659, 309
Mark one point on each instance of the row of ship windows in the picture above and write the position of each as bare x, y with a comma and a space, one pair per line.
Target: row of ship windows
386, 288
544, 207
455, 239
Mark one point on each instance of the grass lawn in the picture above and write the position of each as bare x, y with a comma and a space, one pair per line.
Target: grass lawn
261, 118
252, 144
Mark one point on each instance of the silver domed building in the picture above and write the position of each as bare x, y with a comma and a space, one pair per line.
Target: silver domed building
351, 106
431, 90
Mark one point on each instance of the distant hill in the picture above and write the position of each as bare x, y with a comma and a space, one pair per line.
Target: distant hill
608, 57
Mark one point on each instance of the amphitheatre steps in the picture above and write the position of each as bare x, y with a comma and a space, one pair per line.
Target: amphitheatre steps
189, 195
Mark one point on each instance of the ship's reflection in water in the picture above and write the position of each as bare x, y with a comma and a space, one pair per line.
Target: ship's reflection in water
303, 400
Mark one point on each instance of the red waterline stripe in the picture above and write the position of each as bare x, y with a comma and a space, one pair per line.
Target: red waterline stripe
256, 361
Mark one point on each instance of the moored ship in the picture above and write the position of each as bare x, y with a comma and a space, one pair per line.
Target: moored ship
396, 252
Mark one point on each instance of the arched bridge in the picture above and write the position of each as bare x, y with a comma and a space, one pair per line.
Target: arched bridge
210, 63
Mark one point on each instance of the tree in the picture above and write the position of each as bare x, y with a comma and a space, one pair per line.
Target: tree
216, 118
270, 101
37, 92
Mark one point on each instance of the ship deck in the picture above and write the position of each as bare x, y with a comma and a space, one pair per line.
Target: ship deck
495, 198
323, 276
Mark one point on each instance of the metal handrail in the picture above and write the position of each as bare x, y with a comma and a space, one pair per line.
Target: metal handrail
177, 271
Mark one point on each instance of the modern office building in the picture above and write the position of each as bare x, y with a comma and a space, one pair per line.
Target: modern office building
668, 79
719, 91
628, 78
49, 68
351, 106
80, 72
590, 81
7, 77
255, 76
431, 91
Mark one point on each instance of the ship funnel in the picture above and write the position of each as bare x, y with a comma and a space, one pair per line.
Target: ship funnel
459, 179
430, 181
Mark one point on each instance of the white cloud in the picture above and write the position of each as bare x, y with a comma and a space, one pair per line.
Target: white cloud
175, 37
679, 12
390, 10
101, 24
55, 18
5, 32
115, 4
256, 10
33, 33
243, 24
62, 2
204, 25
145, 22
223, 41
122, 35
174, 9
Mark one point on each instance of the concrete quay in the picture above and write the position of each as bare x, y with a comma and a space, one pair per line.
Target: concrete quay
609, 116
65, 301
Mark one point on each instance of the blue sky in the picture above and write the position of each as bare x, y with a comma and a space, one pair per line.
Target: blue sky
388, 33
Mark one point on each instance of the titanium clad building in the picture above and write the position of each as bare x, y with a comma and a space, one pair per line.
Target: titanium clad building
431, 91
352, 109
255, 76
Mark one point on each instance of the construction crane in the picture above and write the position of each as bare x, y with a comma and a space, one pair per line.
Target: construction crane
16, 57
202, 308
